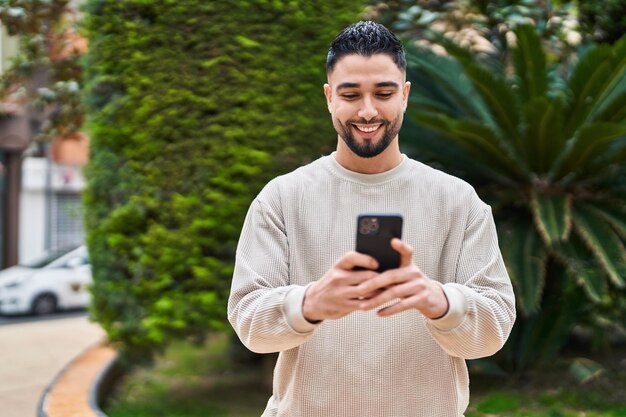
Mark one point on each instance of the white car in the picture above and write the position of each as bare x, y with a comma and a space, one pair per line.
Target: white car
56, 282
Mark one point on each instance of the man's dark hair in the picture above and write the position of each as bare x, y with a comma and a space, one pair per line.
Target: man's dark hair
366, 39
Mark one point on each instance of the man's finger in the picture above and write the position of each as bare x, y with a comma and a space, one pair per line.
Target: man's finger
405, 251
398, 307
353, 260
392, 292
390, 278
355, 278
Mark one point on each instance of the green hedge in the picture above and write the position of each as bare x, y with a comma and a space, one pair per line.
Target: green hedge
605, 20
193, 106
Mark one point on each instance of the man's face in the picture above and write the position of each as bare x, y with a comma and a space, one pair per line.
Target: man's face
366, 98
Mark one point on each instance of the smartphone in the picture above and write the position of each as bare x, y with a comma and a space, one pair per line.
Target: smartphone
373, 237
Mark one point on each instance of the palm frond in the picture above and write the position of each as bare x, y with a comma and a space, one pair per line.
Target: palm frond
583, 268
614, 214
591, 141
543, 132
599, 77
437, 78
605, 167
552, 216
476, 138
493, 90
525, 256
602, 241
500, 100
616, 84
529, 61
614, 111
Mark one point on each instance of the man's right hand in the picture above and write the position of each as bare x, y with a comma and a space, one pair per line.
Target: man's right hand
337, 294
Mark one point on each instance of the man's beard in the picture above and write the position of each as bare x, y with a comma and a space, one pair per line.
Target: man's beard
368, 148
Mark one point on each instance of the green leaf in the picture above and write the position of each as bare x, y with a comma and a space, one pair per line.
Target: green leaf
500, 100
585, 370
614, 214
599, 76
616, 84
530, 63
494, 90
525, 258
614, 111
477, 139
437, 78
544, 138
582, 267
603, 242
552, 215
247, 42
539, 338
591, 142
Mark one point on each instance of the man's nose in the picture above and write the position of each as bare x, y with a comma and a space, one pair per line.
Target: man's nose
368, 110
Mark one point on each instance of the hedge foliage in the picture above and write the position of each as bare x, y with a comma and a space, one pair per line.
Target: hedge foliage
193, 106
606, 19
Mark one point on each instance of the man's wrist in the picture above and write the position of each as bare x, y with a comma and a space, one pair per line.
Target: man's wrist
293, 311
457, 308
306, 310
438, 314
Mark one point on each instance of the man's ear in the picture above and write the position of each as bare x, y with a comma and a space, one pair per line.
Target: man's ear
405, 93
328, 92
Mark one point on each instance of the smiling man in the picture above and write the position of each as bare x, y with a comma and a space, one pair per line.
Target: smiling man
354, 342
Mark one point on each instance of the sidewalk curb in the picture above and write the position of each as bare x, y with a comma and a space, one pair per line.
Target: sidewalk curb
82, 385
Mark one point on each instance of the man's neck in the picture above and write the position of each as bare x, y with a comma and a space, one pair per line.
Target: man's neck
385, 161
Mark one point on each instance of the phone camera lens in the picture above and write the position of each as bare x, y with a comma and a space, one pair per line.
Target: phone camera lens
368, 226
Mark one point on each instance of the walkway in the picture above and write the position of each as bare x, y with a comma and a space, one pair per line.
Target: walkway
33, 353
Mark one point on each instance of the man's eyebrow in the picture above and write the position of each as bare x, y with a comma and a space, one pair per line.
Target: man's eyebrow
378, 85
388, 84
348, 85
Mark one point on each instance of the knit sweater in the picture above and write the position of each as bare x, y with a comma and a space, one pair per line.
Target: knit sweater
363, 365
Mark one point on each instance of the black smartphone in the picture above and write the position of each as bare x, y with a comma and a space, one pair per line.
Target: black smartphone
373, 237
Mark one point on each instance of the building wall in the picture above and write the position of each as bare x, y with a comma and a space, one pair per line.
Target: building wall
50, 210
8, 48
41, 201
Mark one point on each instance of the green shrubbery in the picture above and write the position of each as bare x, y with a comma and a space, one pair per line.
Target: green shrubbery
605, 20
548, 154
194, 105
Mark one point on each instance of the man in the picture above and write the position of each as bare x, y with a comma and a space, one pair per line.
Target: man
354, 342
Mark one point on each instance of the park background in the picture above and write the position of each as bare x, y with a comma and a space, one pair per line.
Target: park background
190, 107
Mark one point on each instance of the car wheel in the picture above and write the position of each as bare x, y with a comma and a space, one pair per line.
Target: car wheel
44, 304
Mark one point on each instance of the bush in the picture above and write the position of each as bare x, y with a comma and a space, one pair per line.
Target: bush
548, 153
605, 20
193, 106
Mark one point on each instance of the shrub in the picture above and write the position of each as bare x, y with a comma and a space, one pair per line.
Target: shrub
193, 106
549, 154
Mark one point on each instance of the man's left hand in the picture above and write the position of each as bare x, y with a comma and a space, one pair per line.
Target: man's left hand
408, 284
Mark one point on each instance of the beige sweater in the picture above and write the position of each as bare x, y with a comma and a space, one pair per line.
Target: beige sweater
363, 365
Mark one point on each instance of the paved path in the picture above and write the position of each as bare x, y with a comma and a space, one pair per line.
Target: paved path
33, 352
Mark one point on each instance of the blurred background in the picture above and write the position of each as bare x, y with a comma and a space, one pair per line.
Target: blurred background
134, 135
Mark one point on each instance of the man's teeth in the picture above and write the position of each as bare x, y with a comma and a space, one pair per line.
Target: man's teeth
367, 129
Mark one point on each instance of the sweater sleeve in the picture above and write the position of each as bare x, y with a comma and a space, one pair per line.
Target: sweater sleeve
482, 304
263, 308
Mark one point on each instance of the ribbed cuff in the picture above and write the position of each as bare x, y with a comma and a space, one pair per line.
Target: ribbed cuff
293, 311
457, 308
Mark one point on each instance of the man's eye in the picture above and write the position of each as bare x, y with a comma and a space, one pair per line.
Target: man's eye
384, 95
350, 96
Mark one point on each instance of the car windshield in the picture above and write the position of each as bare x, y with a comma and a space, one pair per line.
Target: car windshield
44, 260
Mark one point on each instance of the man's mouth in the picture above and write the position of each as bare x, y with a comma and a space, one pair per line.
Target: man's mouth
367, 128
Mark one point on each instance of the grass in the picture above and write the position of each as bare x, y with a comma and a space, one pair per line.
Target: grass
200, 381
191, 381
552, 391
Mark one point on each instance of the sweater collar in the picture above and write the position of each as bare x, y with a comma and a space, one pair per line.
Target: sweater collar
331, 163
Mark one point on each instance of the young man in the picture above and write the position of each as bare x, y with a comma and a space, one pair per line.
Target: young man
357, 343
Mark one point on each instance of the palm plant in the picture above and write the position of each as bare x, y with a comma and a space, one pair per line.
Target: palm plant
548, 152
